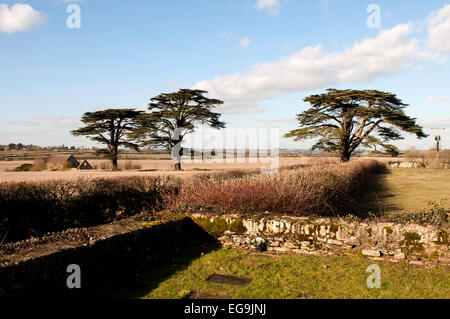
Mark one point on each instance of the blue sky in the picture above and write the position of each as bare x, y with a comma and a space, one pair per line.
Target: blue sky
260, 56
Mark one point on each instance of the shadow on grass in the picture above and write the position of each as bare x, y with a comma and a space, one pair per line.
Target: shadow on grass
376, 200
143, 282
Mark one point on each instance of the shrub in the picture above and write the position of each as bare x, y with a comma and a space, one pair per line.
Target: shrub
129, 165
225, 175
38, 165
66, 166
321, 190
33, 209
437, 213
23, 168
435, 159
428, 159
106, 165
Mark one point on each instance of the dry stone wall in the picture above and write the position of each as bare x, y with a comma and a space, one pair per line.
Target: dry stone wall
416, 244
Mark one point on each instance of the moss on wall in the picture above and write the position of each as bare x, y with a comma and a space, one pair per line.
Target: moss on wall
237, 226
217, 226
412, 244
442, 238
388, 230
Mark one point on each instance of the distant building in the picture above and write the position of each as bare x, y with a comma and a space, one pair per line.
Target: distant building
61, 161
85, 165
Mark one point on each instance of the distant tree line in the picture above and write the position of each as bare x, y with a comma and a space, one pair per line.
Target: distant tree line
19, 147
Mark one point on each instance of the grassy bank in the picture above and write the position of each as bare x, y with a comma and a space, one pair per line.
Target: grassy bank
287, 277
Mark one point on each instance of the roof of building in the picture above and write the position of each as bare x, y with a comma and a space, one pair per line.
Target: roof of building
85, 165
56, 159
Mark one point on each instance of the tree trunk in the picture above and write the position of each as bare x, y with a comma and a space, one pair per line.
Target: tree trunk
114, 160
176, 153
345, 157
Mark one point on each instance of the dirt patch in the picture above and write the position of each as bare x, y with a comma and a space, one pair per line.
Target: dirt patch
230, 280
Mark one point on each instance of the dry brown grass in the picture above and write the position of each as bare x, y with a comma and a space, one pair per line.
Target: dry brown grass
145, 167
428, 159
151, 168
327, 190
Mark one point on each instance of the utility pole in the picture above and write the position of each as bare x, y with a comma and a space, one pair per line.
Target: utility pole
438, 137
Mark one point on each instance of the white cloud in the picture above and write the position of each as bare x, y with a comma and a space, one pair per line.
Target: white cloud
389, 53
433, 99
226, 36
273, 6
279, 120
55, 121
245, 42
58, 121
324, 4
68, 1
439, 30
21, 17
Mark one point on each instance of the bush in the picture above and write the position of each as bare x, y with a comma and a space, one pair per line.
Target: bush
33, 209
38, 165
321, 190
23, 168
438, 214
428, 159
225, 175
129, 165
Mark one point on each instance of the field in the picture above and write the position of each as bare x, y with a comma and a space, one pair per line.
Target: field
284, 277
32, 155
410, 189
147, 168
150, 167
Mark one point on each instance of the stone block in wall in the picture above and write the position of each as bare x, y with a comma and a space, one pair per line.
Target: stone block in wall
399, 255
334, 242
371, 253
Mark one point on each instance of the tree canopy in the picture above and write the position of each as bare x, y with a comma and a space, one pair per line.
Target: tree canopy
174, 115
110, 127
343, 120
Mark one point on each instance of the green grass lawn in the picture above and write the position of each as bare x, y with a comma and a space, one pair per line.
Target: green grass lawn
286, 277
402, 190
